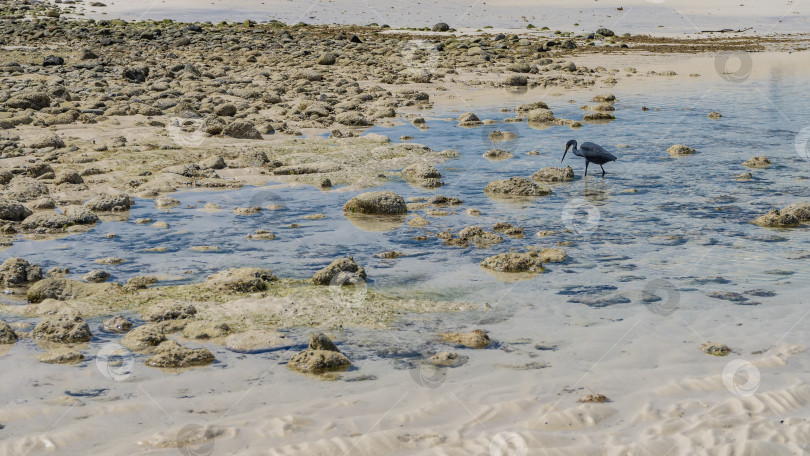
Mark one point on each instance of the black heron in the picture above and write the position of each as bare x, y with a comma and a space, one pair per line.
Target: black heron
591, 152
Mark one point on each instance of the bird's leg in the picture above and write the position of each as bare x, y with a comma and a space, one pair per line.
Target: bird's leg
603, 170
586, 168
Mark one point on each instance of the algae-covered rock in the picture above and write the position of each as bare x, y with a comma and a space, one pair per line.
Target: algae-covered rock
61, 356
516, 187
777, 219
376, 203
475, 339
321, 356
170, 354
757, 162
716, 349
240, 280
346, 268
206, 330
169, 310
116, 324
514, 262
67, 326
552, 174
143, 337
17, 271
680, 149
7, 334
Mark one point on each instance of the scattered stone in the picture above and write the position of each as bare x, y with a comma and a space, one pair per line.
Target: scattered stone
680, 149
594, 398
469, 119
321, 356
447, 359
377, 203
109, 203
67, 326
516, 187
514, 262
169, 310
240, 280
497, 154
757, 162
143, 338
714, 115
716, 349
476, 339
17, 272
61, 356
552, 174
96, 276
116, 324
170, 354
7, 334
346, 270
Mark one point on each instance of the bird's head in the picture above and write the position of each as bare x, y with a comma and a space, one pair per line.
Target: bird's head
568, 145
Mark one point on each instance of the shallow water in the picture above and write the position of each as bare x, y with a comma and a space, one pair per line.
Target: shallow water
687, 223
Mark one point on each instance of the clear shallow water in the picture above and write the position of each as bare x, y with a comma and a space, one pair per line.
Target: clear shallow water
687, 222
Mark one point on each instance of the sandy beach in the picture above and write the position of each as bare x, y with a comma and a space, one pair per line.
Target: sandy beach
344, 227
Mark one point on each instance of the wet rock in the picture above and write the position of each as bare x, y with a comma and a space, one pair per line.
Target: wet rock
321, 356
422, 174
716, 349
216, 162
680, 149
116, 324
497, 154
143, 337
514, 262
714, 115
540, 115
13, 211
241, 129
141, 282
136, 74
441, 200
476, 339
447, 359
205, 330
170, 354
352, 118
254, 341
346, 270
744, 176
478, 237
469, 119
80, 215
757, 162
17, 271
68, 176
552, 255
418, 221
440, 27
7, 334
376, 203
96, 276
261, 235
516, 186
552, 174
598, 116
61, 356
524, 108
605, 32
67, 326
307, 168
109, 203
327, 58
169, 310
516, 80
777, 219
594, 398
240, 280
25, 189
46, 221
166, 202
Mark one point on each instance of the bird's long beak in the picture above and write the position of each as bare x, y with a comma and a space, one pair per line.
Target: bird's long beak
566, 151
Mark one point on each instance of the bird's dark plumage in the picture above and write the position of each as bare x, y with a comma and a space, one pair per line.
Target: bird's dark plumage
591, 153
